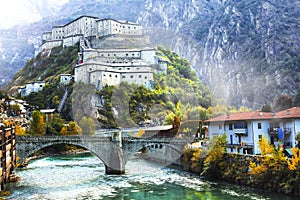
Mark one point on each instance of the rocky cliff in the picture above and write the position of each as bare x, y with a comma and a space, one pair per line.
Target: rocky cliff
247, 51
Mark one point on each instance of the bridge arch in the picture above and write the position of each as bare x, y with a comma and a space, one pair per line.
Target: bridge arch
110, 154
166, 152
157, 146
28, 154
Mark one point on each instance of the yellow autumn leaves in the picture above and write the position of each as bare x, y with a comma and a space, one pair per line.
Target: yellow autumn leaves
293, 163
274, 159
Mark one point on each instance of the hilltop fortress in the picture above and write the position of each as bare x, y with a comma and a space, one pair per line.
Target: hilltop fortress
87, 27
111, 51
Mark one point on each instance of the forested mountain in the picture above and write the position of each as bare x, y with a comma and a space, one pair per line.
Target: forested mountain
246, 51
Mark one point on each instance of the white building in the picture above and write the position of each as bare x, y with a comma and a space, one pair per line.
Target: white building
102, 67
31, 87
86, 26
244, 130
65, 78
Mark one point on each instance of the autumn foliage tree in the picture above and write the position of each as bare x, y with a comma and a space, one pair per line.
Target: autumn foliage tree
71, 129
274, 169
193, 160
87, 125
214, 163
37, 124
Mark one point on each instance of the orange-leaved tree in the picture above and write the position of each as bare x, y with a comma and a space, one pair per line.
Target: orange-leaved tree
214, 163
270, 168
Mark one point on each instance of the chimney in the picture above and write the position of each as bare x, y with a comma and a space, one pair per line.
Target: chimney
273, 114
228, 116
260, 113
288, 112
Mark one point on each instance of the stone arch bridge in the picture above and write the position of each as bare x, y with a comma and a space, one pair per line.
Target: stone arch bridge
112, 149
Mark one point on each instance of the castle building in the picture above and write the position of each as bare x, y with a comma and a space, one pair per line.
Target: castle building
102, 67
86, 26
111, 51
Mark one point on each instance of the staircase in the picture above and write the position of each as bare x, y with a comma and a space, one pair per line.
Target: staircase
63, 100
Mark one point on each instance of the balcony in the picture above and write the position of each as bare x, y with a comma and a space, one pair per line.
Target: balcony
241, 145
274, 131
240, 131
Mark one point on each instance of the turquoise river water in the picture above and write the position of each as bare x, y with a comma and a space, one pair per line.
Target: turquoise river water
81, 176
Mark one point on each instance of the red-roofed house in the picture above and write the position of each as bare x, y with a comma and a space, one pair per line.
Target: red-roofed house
243, 130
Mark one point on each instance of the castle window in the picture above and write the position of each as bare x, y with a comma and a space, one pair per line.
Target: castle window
110, 75
126, 54
123, 76
128, 68
145, 77
108, 54
115, 54
140, 76
133, 54
120, 69
131, 76
116, 76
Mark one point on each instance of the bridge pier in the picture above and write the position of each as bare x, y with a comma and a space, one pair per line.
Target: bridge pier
116, 162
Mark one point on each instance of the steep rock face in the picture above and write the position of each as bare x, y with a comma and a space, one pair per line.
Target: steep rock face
247, 51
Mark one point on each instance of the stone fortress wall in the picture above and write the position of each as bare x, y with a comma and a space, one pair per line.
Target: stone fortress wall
111, 51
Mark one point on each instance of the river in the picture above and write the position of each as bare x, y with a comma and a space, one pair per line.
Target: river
82, 176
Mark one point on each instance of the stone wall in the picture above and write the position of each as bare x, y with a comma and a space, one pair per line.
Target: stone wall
7, 154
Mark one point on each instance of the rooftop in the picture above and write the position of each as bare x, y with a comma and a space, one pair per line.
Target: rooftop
257, 115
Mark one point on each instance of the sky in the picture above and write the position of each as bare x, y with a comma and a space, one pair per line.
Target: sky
19, 12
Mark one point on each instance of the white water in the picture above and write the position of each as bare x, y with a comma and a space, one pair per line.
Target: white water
83, 177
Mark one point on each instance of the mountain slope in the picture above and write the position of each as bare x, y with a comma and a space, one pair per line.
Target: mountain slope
247, 51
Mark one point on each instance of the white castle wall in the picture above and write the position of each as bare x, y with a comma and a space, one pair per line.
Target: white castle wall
130, 56
72, 40
49, 45
84, 25
88, 26
101, 75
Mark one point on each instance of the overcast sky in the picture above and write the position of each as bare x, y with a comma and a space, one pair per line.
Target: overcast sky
16, 12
